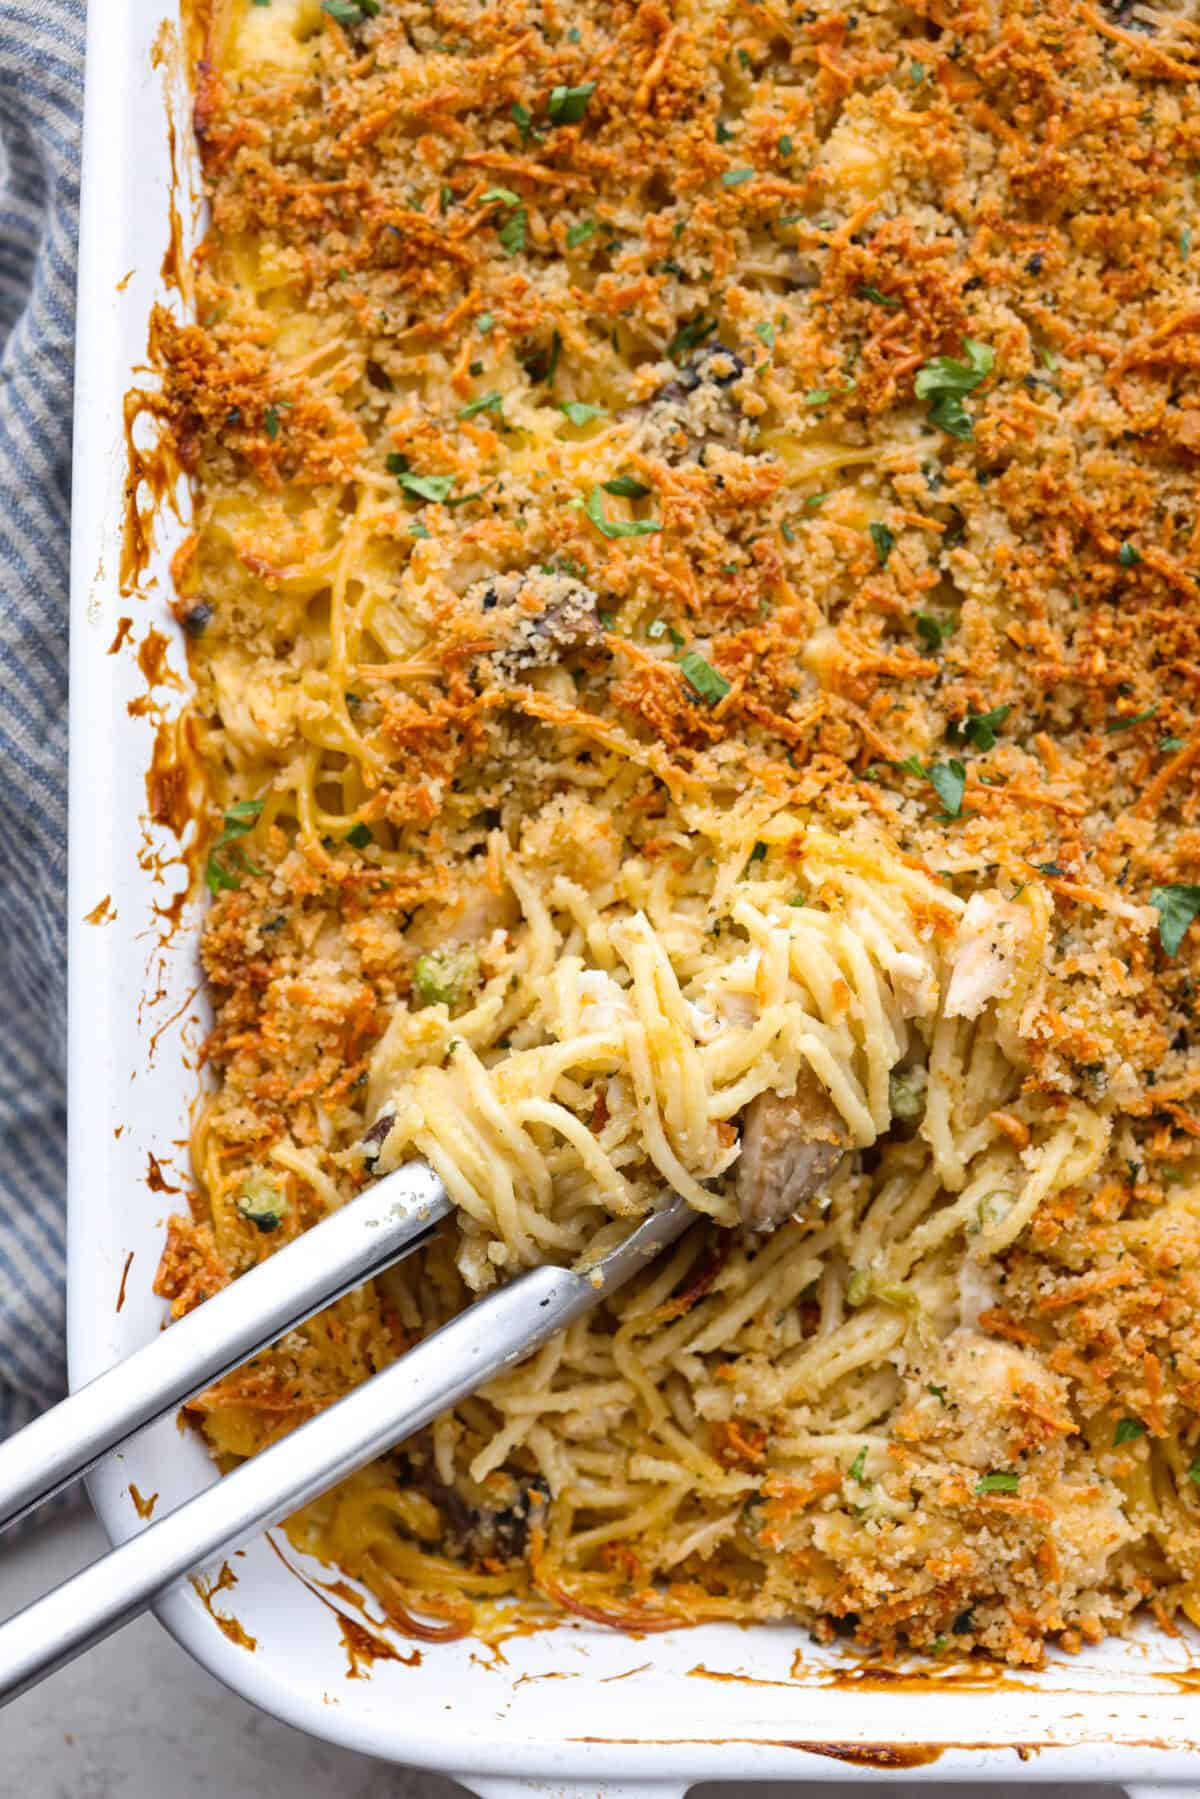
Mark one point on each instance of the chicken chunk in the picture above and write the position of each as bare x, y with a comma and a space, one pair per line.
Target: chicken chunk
986, 954
790, 1146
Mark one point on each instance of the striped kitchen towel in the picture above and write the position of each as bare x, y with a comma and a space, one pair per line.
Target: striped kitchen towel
41, 102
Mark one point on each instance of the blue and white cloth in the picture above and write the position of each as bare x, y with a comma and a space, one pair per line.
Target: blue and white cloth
41, 103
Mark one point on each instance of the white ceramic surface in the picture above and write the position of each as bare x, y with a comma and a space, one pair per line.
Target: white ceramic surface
573, 1709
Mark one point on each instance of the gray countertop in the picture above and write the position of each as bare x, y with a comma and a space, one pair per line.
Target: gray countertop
137, 1719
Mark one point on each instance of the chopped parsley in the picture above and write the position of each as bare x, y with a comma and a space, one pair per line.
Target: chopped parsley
1001, 1481
979, 728
735, 177
933, 631
703, 678
568, 104
271, 422
1129, 555
658, 627
578, 234
1169, 745
786, 147
627, 487
883, 539
485, 322
523, 120
631, 527
1128, 1431
765, 332
948, 780
490, 402
945, 380
350, 12
579, 412
1127, 724
543, 365
858, 1467
420, 487
689, 335
1176, 906
1193, 1472
818, 396
877, 299
359, 835
512, 231
939, 1393
227, 859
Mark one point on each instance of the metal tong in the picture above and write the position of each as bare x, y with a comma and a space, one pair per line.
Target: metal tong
394, 1217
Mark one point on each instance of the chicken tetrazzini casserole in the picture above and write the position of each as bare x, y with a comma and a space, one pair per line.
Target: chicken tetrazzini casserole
694, 606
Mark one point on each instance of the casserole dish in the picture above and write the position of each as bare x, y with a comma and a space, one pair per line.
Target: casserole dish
573, 1708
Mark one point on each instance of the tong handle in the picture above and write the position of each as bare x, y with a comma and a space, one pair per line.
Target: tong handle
389, 1220
490, 1335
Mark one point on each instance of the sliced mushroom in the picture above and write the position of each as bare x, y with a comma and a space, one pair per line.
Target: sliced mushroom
484, 1522
372, 1141
693, 412
539, 617
791, 1144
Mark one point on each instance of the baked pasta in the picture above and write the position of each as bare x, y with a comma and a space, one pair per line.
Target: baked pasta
694, 617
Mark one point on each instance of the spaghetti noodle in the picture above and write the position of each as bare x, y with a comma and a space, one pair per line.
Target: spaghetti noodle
693, 620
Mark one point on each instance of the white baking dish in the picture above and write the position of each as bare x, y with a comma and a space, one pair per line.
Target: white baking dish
570, 1709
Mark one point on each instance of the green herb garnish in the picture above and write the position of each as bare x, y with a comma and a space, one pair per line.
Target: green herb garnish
703, 678
227, 859
350, 12
491, 402
421, 487
932, 631
945, 380
883, 539
579, 412
979, 728
999, 1482
1128, 1431
632, 527
568, 104
1127, 724
1176, 906
689, 335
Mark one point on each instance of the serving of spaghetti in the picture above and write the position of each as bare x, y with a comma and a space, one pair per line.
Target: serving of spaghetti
694, 608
